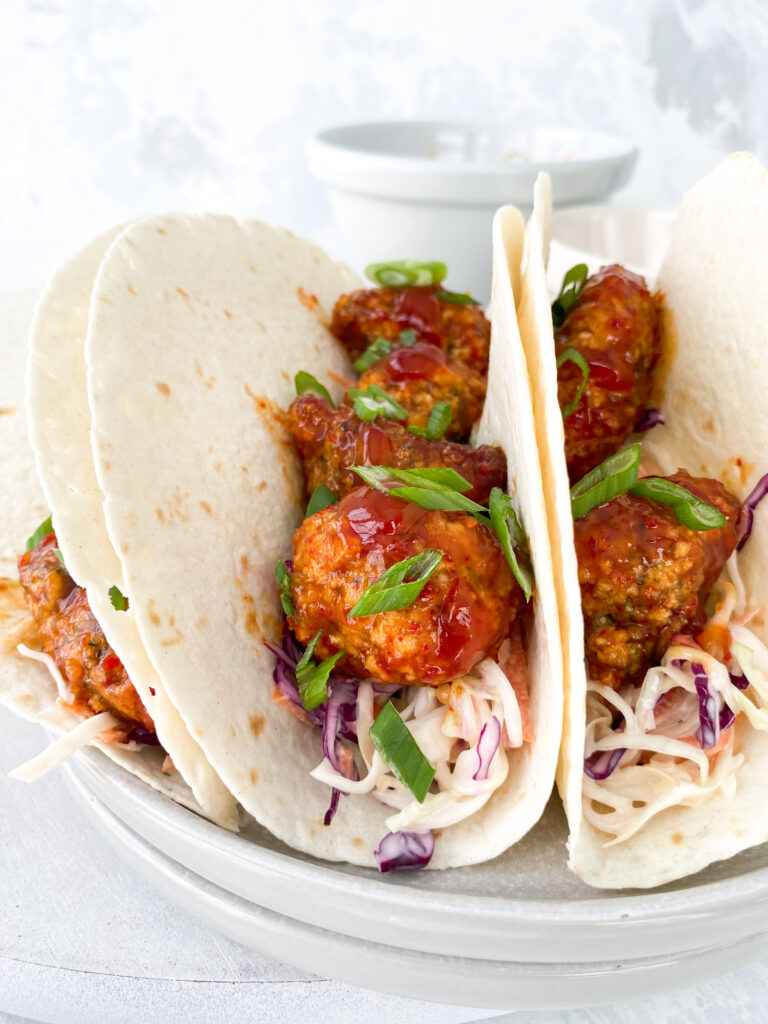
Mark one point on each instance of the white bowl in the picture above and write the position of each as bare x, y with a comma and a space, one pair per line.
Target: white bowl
428, 189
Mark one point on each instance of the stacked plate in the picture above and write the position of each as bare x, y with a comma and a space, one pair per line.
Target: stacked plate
518, 932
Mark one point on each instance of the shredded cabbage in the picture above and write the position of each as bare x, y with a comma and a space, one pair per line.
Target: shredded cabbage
64, 746
676, 729
447, 723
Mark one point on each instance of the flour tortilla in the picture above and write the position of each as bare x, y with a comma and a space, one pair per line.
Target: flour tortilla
198, 325
59, 427
717, 425
26, 686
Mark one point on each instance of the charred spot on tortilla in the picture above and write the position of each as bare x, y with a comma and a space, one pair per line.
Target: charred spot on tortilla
180, 291
206, 507
308, 300
253, 776
256, 724
162, 387
7, 410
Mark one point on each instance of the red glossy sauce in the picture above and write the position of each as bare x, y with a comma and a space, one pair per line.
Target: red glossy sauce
452, 614
613, 368
418, 308
414, 362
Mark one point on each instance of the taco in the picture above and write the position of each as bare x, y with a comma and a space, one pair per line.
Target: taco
665, 739
84, 677
202, 330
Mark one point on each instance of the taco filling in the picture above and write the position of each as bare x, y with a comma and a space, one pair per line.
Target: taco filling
670, 662
63, 631
406, 589
607, 342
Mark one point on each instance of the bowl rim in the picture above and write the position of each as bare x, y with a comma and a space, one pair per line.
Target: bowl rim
337, 142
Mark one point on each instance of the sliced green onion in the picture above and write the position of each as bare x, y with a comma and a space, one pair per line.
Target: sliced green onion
378, 348
306, 382
435, 478
399, 586
321, 498
570, 355
690, 510
283, 576
42, 531
57, 552
510, 533
457, 299
312, 679
374, 401
571, 289
407, 337
442, 501
395, 745
401, 273
615, 476
438, 423
118, 599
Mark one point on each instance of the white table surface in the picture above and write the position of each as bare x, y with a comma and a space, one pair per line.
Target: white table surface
83, 939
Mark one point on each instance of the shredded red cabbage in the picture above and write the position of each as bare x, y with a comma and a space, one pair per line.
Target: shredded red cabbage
139, 734
651, 418
740, 682
340, 720
708, 732
487, 745
337, 716
757, 494
405, 851
602, 763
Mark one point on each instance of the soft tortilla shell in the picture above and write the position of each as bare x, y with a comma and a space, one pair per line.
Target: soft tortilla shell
717, 425
198, 326
26, 686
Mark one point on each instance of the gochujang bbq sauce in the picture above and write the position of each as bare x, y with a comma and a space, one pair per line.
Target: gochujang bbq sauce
67, 630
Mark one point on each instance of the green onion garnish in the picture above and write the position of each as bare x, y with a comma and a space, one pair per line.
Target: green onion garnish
395, 745
690, 510
57, 552
306, 382
283, 576
312, 679
510, 533
442, 501
43, 530
438, 423
378, 348
570, 355
616, 475
457, 299
399, 586
440, 489
571, 289
321, 498
374, 401
407, 337
401, 273
118, 599
435, 478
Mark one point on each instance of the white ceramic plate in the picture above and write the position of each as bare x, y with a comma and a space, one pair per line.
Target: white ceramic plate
522, 907
454, 979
